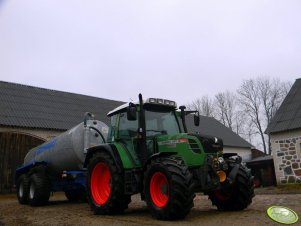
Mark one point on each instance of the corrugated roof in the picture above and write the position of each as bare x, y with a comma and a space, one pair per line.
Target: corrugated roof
212, 127
27, 106
288, 116
33, 107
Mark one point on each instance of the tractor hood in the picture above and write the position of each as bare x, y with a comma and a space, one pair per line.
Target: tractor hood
211, 144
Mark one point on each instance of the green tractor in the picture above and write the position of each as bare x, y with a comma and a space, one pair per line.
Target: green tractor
149, 151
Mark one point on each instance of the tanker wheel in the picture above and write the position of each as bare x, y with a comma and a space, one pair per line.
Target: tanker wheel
168, 189
23, 189
38, 189
78, 195
106, 186
236, 196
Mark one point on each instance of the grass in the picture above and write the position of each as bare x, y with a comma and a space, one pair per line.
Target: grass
280, 189
287, 187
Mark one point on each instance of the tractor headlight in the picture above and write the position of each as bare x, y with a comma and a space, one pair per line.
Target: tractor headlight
172, 103
152, 100
160, 101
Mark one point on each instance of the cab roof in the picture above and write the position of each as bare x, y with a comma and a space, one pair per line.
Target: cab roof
151, 101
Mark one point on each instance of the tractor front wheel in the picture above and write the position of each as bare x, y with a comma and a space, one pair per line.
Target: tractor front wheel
168, 189
106, 186
236, 196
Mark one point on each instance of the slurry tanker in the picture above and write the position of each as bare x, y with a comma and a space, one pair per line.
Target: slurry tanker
147, 150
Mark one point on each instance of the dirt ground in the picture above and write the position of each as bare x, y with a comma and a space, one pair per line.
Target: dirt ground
61, 212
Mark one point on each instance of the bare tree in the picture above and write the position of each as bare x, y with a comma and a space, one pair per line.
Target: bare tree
271, 92
246, 129
248, 113
260, 99
252, 105
241, 123
204, 105
286, 87
225, 109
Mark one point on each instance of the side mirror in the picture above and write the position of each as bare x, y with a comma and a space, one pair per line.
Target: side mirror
196, 119
131, 112
182, 108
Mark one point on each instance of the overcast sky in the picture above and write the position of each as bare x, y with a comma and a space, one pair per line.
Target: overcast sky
175, 49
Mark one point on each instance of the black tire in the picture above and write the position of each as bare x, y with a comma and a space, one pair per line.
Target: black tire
76, 195
237, 196
23, 189
168, 189
113, 201
39, 191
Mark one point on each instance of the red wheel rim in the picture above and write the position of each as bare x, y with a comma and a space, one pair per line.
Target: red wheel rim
159, 189
223, 195
101, 183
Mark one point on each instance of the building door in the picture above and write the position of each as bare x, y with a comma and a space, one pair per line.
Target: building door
13, 148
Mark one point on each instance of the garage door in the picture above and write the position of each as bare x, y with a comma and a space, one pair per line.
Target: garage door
13, 148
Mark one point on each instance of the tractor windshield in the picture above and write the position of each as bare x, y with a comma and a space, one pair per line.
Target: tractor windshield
161, 123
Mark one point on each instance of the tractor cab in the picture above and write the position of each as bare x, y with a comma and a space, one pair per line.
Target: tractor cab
139, 126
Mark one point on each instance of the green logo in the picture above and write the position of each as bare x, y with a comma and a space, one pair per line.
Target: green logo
282, 214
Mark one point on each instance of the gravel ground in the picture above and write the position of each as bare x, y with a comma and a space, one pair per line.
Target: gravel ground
61, 212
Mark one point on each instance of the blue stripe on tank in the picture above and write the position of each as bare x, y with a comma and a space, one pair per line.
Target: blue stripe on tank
45, 147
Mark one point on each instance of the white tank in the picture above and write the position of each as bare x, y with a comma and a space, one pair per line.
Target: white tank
67, 151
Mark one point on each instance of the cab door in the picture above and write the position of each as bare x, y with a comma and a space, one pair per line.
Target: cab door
127, 135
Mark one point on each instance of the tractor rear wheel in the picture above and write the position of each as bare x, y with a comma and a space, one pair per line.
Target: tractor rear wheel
236, 196
23, 189
168, 189
39, 191
106, 186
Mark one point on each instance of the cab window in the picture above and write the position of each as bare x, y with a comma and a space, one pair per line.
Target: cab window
127, 129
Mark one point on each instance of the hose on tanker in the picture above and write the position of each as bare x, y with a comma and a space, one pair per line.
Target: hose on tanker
102, 137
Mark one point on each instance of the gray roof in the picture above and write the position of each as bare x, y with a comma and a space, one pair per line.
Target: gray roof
261, 158
288, 116
33, 107
27, 106
212, 127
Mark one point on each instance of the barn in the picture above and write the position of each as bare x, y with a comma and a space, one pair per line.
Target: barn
31, 115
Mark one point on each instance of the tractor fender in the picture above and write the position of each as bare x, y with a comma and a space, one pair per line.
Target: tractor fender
109, 149
233, 173
158, 155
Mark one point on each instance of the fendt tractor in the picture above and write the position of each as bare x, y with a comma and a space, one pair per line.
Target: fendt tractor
146, 150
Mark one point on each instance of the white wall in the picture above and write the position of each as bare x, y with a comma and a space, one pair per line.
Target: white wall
245, 153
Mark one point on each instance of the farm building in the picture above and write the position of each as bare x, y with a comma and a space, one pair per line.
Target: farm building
285, 132
30, 116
